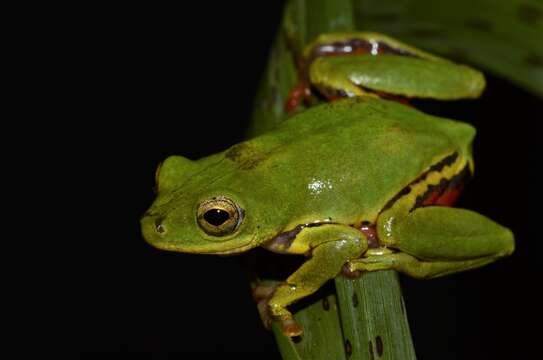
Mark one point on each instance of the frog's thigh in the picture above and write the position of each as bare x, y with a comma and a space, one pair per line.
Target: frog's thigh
440, 240
333, 246
449, 234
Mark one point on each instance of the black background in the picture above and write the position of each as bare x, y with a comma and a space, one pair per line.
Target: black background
113, 91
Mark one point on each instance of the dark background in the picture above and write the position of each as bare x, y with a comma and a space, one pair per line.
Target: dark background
113, 91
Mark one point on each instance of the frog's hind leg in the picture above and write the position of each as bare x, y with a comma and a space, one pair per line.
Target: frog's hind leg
435, 241
414, 267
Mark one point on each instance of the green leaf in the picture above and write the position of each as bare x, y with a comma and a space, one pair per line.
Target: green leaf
503, 37
373, 317
322, 335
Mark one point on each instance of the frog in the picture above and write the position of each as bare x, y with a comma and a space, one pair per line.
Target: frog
356, 185
365, 63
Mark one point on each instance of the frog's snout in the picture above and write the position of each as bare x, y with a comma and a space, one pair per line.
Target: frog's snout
159, 227
153, 228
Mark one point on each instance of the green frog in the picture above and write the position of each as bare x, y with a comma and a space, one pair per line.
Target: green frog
359, 184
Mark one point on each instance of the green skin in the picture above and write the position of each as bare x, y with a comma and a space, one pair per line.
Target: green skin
335, 166
420, 75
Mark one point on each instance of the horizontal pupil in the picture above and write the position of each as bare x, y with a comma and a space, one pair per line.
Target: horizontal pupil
216, 217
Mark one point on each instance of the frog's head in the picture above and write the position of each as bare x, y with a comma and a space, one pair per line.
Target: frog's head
196, 211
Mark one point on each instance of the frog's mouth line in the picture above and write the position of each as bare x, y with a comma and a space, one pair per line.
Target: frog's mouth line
242, 248
236, 250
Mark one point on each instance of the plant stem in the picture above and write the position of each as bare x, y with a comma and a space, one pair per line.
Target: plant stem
322, 338
373, 316
366, 319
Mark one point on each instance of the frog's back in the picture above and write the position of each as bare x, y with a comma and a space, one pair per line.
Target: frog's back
350, 158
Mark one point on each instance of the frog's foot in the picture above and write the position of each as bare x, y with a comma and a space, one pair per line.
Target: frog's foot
348, 271
262, 294
291, 328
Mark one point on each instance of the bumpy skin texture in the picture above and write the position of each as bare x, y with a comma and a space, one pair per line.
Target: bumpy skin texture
339, 166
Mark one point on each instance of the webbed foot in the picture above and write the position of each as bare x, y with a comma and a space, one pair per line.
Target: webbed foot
262, 295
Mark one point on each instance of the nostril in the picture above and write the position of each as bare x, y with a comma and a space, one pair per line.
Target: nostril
158, 225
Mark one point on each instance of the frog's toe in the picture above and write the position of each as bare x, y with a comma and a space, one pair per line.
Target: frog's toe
291, 328
348, 271
262, 294
264, 312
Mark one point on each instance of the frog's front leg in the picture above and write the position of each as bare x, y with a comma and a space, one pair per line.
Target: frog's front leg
435, 241
331, 246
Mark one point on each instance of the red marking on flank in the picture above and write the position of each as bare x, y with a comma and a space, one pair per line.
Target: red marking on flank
449, 197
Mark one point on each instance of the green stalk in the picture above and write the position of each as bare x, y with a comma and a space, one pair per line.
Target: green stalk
366, 319
373, 317
322, 337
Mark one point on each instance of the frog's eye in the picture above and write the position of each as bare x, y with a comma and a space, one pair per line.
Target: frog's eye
219, 216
